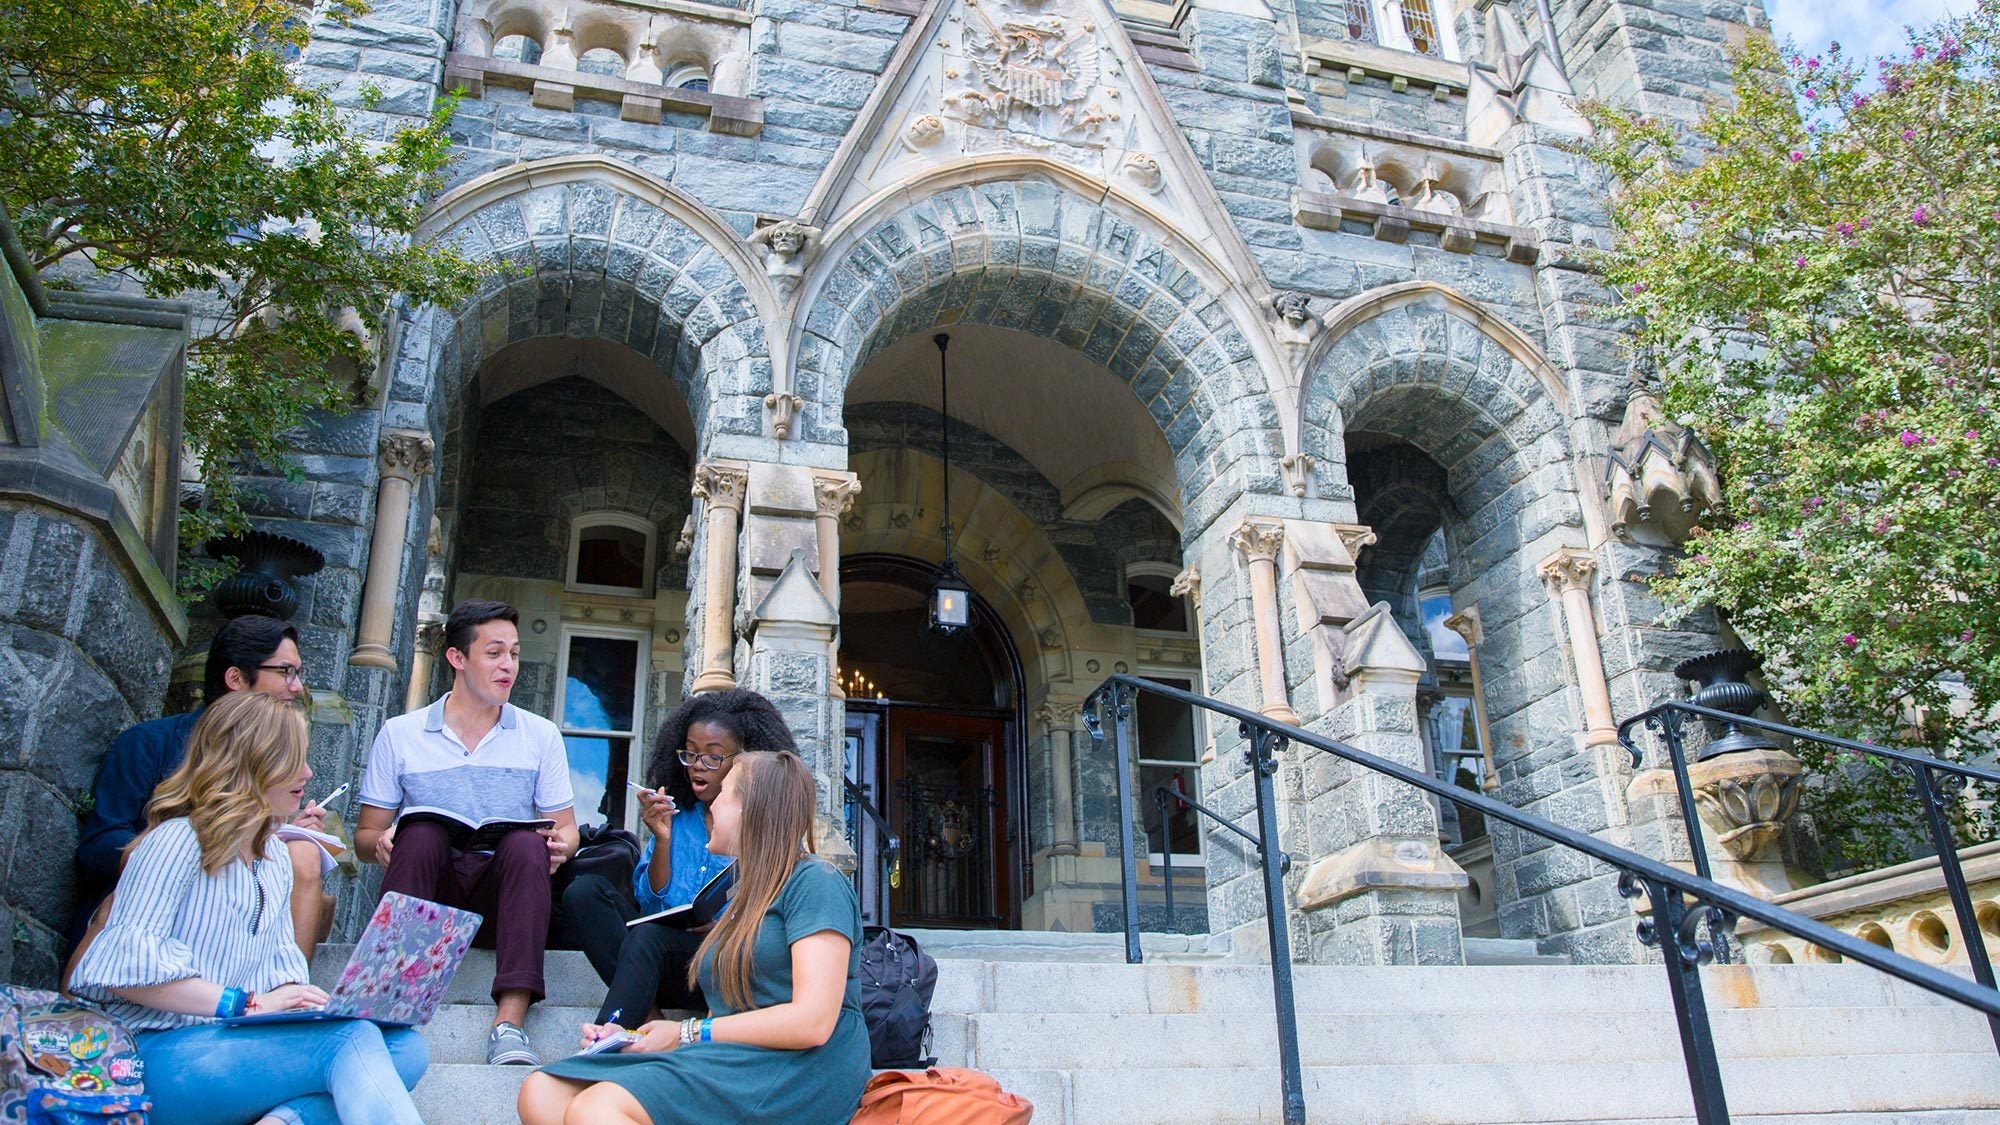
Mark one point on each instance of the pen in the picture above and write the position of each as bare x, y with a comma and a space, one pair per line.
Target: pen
639, 787
330, 798
615, 1013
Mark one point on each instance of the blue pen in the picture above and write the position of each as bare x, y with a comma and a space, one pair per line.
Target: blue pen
615, 1014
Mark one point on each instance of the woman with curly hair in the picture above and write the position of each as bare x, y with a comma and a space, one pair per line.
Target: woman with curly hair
783, 1042
646, 966
201, 928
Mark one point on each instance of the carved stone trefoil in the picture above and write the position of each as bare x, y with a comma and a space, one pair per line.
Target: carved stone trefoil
1657, 474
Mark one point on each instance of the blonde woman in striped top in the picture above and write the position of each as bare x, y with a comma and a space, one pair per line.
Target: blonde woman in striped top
201, 928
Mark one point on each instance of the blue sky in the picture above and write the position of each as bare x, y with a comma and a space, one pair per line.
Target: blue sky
1866, 27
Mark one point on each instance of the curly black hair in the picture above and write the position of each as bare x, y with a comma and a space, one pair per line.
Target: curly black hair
740, 711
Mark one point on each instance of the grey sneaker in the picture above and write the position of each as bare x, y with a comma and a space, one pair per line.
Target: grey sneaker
508, 1046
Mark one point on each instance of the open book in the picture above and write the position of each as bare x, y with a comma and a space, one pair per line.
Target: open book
468, 835
330, 845
708, 902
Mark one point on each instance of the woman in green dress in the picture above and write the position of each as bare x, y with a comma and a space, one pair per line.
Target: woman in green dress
784, 1043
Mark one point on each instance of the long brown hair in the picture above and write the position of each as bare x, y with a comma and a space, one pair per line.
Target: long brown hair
244, 744
776, 793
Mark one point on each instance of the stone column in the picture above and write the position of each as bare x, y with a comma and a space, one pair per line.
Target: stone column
1257, 543
1567, 574
791, 633
405, 456
423, 657
1466, 624
832, 496
721, 489
1060, 720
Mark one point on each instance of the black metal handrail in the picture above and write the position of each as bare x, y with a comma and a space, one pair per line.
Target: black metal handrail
1678, 905
1163, 795
892, 845
1932, 793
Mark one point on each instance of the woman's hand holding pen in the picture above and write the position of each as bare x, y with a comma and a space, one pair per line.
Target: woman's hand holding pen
656, 811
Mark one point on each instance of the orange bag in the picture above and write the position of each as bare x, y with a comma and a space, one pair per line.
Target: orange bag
947, 1095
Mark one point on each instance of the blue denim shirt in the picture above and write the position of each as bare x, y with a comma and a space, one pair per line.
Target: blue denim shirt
694, 865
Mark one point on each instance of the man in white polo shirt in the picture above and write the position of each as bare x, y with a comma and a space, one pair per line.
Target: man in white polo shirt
478, 758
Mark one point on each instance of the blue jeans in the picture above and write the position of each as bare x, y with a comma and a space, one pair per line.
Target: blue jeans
349, 1072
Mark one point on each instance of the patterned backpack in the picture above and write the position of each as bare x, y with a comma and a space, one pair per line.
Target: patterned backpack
64, 1062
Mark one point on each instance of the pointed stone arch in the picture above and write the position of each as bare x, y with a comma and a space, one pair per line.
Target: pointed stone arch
589, 247
1034, 246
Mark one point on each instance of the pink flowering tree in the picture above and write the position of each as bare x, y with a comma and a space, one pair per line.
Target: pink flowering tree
1820, 265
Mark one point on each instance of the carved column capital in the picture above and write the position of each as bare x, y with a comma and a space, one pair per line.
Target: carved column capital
833, 496
1187, 584
1258, 540
405, 454
1057, 716
1466, 624
1568, 569
1354, 536
722, 486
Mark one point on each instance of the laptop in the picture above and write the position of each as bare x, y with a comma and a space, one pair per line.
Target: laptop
399, 970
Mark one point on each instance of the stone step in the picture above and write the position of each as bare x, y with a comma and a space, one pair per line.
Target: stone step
1074, 1041
457, 1034
1849, 1089
1508, 951
470, 1094
569, 979
975, 986
1057, 945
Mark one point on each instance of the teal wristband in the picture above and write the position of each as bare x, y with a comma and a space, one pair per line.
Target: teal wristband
706, 1030
231, 1003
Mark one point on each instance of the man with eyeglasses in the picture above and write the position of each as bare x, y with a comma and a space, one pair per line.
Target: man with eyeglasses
250, 653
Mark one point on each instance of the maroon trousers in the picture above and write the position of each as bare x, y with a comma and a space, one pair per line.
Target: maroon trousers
509, 887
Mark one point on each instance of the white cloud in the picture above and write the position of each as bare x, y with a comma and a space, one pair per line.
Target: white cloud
1861, 27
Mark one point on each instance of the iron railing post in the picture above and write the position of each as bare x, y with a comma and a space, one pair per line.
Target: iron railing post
1672, 927
1166, 855
1671, 723
1261, 753
1120, 700
1933, 800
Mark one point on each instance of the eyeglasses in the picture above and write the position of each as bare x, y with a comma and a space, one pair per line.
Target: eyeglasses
703, 761
292, 673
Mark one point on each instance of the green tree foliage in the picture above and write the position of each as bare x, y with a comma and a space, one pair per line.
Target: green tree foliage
167, 144
1820, 263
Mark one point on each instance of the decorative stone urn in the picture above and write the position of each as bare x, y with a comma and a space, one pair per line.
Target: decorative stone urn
1745, 788
267, 563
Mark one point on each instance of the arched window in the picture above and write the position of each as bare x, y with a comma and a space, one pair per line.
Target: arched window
517, 48
1155, 607
611, 553
688, 76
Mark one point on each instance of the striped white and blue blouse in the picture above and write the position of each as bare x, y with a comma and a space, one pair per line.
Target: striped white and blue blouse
171, 920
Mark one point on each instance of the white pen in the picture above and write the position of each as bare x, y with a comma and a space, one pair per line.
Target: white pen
330, 798
638, 786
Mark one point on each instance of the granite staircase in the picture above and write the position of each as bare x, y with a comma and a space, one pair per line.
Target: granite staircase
1189, 1037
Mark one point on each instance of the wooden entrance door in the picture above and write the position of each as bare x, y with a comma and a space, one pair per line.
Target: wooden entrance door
946, 784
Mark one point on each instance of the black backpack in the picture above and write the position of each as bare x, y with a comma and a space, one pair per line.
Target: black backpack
897, 979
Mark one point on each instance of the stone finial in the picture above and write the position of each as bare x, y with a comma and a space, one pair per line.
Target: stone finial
1296, 323
784, 406
1298, 469
723, 485
783, 245
834, 496
405, 454
1657, 473
1519, 81
1569, 568
1258, 540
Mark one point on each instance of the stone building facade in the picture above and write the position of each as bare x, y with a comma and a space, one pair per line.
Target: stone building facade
1277, 371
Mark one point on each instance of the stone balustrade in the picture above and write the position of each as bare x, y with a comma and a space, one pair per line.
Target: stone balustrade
1904, 908
672, 56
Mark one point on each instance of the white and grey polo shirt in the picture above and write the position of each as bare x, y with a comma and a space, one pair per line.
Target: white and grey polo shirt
519, 771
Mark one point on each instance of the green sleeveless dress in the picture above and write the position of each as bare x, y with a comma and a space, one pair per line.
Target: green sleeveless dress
708, 1083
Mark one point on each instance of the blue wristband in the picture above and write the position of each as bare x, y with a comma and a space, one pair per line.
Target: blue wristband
231, 1003
706, 1026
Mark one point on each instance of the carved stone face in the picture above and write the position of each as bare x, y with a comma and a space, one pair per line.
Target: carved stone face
787, 239
1294, 308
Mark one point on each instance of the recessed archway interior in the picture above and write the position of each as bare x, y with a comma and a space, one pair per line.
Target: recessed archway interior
1074, 421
